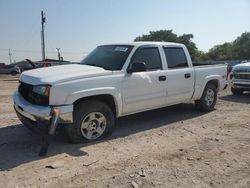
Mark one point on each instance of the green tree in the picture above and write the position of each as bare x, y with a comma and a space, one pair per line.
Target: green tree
162, 35
221, 52
169, 36
239, 49
202, 56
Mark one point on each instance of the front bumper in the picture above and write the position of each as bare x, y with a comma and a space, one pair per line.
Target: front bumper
40, 118
241, 84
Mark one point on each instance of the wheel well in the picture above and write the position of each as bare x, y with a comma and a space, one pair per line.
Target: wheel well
107, 99
214, 82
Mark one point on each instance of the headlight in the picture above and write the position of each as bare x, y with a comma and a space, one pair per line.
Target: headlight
42, 90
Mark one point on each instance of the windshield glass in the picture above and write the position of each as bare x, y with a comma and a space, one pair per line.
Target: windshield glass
109, 57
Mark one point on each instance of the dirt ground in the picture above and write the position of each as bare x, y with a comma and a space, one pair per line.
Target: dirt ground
171, 147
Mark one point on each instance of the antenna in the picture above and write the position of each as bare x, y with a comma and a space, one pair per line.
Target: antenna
42, 36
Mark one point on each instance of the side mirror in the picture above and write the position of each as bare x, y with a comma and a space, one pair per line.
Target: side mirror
136, 67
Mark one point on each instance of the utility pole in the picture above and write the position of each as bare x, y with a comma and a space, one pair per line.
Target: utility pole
10, 56
58, 53
42, 36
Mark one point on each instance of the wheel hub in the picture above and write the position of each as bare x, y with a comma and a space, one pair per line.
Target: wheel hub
209, 97
93, 125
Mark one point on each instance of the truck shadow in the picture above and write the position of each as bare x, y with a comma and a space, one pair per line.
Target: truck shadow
244, 98
18, 146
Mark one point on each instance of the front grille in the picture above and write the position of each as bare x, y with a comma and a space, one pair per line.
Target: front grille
26, 90
242, 85
243, 76
242, 71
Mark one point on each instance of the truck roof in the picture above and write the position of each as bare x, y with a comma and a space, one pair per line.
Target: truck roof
141, 43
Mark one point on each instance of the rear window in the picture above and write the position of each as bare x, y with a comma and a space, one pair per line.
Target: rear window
176, 57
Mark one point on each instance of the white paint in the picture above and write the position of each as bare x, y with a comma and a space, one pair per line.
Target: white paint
132, 93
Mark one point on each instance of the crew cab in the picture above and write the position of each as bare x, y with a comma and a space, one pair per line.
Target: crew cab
240, 81
113, 81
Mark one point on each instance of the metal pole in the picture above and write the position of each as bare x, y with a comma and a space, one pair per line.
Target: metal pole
42, 37
58, 53
10, 56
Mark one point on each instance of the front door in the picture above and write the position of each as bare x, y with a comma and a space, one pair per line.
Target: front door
145, 90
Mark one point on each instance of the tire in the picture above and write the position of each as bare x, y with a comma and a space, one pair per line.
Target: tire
236, 91
92, 121
208, 99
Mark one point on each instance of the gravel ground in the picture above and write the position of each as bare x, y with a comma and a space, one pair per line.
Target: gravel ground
170, 147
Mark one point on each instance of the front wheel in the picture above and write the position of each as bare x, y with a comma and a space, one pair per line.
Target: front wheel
208, 99
93, 120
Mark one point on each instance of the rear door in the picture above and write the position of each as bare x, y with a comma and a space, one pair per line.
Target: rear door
145, 90
180, 75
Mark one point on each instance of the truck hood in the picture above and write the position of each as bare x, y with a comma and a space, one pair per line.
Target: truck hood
245, 66
62, 73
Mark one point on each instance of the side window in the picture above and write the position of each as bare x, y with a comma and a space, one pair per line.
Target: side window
176, 57
28, 65
150, 56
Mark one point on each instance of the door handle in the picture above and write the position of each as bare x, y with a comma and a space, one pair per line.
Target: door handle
187, 75
162, 78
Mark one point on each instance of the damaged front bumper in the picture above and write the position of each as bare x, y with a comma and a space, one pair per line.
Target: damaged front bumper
41, 119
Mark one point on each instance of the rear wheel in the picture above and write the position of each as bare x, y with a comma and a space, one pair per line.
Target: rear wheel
208, 99
93, 120
236, 91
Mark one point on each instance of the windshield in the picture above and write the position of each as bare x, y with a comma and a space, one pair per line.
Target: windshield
109, 57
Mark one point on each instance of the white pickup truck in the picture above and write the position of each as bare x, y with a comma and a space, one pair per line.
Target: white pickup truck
113, 81
240, 78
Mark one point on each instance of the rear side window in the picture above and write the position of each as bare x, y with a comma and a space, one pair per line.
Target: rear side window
150, 56
176, 57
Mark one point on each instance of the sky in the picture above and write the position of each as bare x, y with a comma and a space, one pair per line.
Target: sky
78, 26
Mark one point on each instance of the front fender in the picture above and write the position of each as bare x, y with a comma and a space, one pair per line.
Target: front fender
71, 98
